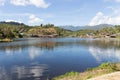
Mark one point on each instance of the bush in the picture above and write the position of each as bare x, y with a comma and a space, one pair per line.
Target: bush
110, 66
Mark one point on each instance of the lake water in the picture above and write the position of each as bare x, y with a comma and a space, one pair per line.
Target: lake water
45, 58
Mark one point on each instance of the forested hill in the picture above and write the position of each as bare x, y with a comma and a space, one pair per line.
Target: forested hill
12, 29
17, 30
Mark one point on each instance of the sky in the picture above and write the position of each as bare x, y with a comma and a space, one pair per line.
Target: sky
61, 12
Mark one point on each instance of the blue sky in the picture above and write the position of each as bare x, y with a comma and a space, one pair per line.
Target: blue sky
61, 12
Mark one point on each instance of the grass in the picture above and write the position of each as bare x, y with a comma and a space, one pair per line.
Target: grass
70, 74
104, 68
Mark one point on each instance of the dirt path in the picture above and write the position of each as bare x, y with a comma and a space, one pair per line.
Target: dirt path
111, 76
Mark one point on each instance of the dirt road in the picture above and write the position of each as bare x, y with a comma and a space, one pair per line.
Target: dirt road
111, 76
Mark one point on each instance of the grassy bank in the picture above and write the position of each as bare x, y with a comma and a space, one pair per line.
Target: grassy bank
104, 68
6, 40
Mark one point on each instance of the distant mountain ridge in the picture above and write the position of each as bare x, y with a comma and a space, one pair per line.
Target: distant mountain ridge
96, 27
12, 23
67, 27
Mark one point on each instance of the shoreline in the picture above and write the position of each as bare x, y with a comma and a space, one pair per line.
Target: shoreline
91, 73
10, 40
6, 40
110, 76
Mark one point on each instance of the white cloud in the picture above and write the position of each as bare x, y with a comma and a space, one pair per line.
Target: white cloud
20, 2
2, 2
100, 18
113, 0
37, 3
34, 20
117, 0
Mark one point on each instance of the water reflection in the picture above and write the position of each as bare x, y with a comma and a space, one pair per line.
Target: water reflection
37, 59
33, 72
108, 55
34, 52
35, 48
10, 51
106, 50
101, 49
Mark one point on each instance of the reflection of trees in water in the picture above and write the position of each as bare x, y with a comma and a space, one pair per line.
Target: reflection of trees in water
102, 50
11, 51
33, 72
102, 43
36, 48
50, 45
46, 45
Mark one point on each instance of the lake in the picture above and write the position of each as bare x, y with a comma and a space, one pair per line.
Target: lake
45, 58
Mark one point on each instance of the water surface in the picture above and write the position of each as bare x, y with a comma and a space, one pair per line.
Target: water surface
45, 58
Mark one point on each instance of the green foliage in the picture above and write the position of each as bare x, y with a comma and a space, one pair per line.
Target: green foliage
90, 69
99, 33
110, 66
12, 30
105, 65
63, 32
72, 73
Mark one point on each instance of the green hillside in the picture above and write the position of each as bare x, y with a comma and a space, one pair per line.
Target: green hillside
10, 30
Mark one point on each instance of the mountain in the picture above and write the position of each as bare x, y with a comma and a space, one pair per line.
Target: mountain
12, 23
96, 27
67, 27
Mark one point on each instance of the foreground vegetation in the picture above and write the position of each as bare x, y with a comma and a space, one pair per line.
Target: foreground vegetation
8, 31
104, 68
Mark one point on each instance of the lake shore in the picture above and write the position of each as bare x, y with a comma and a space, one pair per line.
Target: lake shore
98, 73
6, 40
110, 76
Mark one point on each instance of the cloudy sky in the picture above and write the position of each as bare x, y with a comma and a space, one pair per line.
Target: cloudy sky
61, 12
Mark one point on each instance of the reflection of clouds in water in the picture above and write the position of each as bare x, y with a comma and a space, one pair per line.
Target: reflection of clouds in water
37, 71
3, 74
11, 51
34, 52
20, 72
109, 54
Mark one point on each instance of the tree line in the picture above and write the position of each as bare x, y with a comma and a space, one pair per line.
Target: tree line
16, 30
